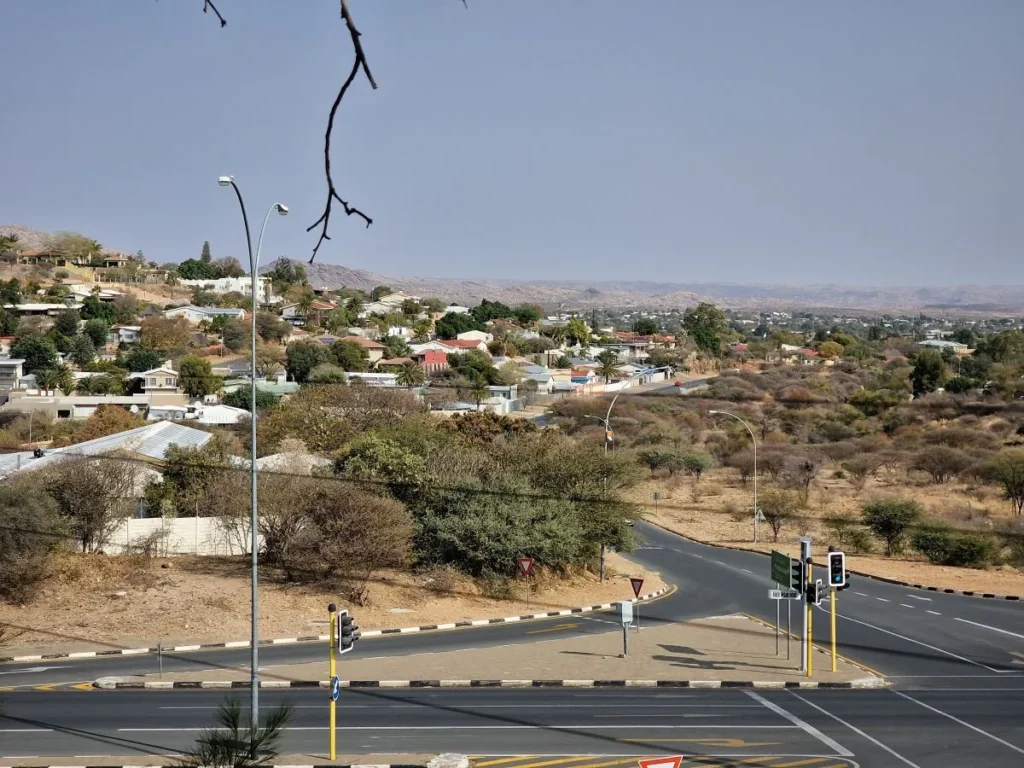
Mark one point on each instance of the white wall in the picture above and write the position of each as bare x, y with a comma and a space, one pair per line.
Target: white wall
184, 536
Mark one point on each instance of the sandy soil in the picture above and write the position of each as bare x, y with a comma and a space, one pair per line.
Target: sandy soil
122, 602
721, 514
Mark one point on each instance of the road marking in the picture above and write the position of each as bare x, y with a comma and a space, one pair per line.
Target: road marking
832, 744
883, 599
933, 613
746, 570
994, 629
961, 722
858, 731
556, 628
26, 730
923, 645
28, 670
904, 605
506, 706
727, 742
918, 597
1019, 659
860, 593
556, 761
646, 715
583, 727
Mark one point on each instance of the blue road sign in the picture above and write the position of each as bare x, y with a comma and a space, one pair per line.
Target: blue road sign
335, 688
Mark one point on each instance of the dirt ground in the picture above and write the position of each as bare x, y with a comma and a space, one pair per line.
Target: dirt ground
720, 512
96, 602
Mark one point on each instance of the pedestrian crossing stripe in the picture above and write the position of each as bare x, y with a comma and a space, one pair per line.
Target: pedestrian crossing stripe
688, 761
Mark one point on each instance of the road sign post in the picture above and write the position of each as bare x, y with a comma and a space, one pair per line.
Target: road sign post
637, 584
332, 620
778, 609
805, 557
626, 614
525, 566
832, 606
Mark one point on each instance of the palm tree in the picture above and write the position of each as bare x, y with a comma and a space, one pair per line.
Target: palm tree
47, 379
410, 375
65, 378
237, 743
90, 385
609, 365
479, 392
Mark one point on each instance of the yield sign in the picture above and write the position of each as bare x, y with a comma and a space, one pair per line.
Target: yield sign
637, 584
661, 762
526, 565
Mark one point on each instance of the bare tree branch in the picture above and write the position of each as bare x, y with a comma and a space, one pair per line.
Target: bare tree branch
209, 6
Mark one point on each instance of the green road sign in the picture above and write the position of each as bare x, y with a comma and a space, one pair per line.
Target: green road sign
781, 571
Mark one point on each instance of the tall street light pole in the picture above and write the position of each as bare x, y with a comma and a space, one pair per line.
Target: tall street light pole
254, 260
754, 441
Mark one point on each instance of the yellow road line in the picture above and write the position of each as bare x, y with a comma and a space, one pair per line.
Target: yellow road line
607, 765
809, 761
557, 628
502, 760
559, 761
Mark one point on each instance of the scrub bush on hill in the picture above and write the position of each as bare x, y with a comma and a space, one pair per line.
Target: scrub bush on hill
944, 546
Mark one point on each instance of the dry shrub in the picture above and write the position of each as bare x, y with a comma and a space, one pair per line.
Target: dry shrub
711, 489
444, 580
737, 515
697, 492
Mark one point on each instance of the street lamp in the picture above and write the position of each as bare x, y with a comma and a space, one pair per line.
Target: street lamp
254, 262
754, 441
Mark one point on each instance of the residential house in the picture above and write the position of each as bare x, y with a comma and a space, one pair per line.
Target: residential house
162, 380
483, 336
456, 309
374, 349
40, 308
464, 345
401, 331
394, 363
584, 376
430, 360
318, 309
220, 414
374, 379
124, 334
242, 285
943, 344
199, 314
11, 372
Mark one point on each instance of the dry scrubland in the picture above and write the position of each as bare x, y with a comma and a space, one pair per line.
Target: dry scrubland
821, 458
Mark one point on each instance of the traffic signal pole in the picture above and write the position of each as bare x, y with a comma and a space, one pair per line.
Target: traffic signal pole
810, 621
805, 555
833, 610
331, 616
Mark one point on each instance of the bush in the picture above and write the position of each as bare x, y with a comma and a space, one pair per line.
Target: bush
890, 520
30, 532
778, 507
941, 463
944, 546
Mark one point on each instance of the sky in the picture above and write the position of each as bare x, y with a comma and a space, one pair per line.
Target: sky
871, 142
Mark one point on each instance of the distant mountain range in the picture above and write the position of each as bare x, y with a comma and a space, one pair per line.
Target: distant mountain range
584, 294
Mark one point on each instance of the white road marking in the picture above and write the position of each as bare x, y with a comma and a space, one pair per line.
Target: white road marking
882, 599
994, 629
832, 744
858, 731
747, 570
860, 593
958, 720
923, 645
918, 597
584, 727
904, 605
26, 730
933, 613
515, 706
29, 670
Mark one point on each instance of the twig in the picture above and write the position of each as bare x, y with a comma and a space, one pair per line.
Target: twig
332, 192
209, 6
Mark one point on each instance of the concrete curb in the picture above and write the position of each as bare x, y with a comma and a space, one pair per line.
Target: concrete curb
926, 587
324, 638
167, 685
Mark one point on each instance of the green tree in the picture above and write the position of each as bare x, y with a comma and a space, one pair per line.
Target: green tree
491, 310
242, 398
10, 292
410, 375
286, 272
66, 323
479, 391
327, 373
239, 742
38, 351
608, 365
577, 332
138, 359
1007, 469
270, 327
97, 330
195, 375
350, 356
453, 323
31, 531
778, 506
645, 326
396, 347
237, 334
705, 325
696, 464
890, 520
206, 257
527, 314
92, 308
8, 321
929, 372
82, 351
301, 357
830, 350
195, 269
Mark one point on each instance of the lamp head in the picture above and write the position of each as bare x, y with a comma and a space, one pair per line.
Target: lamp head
225, 181
282, 209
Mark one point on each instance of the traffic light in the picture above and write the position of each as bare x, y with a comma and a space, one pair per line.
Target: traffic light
799, 575
815, 592
837, 569
348, 632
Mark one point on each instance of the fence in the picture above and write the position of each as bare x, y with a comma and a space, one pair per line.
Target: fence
180, 536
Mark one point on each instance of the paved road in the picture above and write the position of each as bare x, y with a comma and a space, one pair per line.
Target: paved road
913, 637
822, 728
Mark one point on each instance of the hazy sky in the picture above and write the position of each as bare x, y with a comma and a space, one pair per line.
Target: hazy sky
857, 142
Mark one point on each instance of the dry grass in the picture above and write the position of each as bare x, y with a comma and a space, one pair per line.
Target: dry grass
132, 601
723, 516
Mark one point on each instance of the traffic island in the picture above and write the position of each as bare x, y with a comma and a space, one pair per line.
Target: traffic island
728, 651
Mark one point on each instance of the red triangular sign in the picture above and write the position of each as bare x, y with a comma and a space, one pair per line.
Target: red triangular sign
637, 584
526, 565
661, 762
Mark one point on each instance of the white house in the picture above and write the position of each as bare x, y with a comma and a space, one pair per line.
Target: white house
220, 414
243, 285
199, 314
456, 309
124, 334
11, 372
157, 380
483, 336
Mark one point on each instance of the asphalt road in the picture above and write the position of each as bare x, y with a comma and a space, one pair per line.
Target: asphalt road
825, 728
913, 637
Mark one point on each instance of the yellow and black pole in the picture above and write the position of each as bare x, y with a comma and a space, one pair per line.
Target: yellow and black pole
332, 612
810, 619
